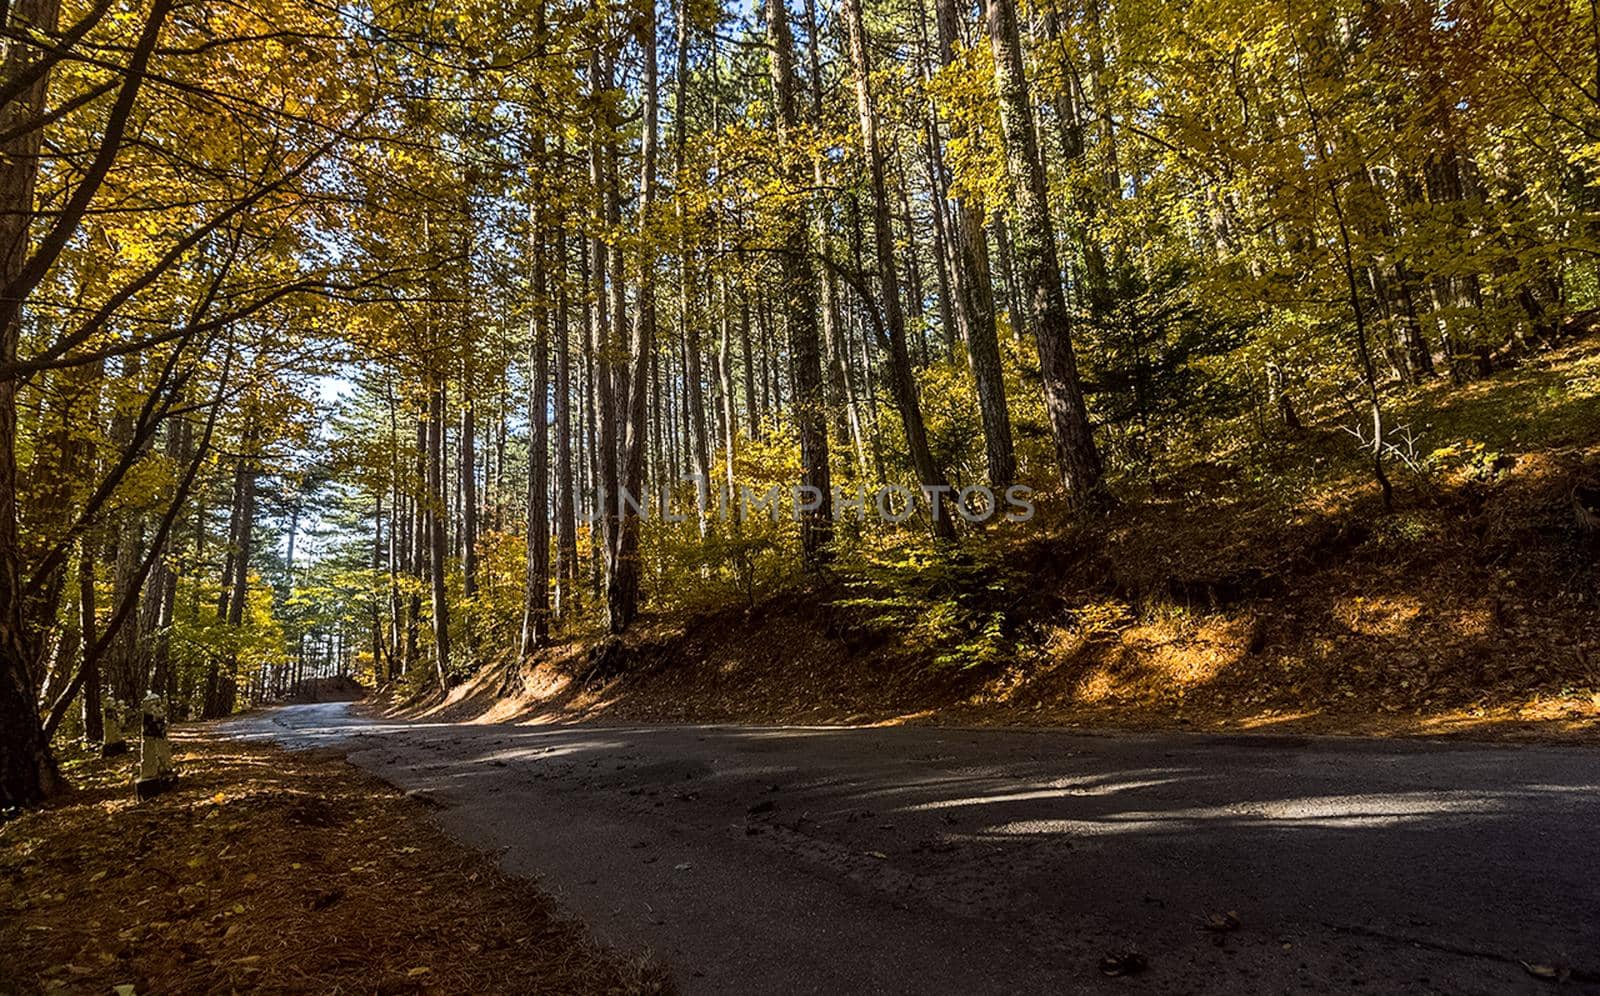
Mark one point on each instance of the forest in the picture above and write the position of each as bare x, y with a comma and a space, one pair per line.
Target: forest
397, 341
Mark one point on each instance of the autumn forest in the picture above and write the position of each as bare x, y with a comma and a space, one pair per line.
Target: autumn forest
394, 341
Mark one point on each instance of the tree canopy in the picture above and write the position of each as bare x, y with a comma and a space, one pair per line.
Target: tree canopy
394, 339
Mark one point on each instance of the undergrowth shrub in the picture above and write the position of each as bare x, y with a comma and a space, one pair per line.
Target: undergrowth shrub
952, 605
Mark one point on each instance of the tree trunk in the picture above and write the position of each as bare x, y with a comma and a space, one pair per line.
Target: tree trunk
377, 565
751, 403
27, 770
1008, 271
437, 530
901, 380
941, 248
1035, 250
536, 589
836, 362
799, 289
699, 446
221, 682
469, 492
975, 293
420, 544
93, 725
124, 668
603, 347
399, 549
622, 592
164, 579
730, 417
566, 525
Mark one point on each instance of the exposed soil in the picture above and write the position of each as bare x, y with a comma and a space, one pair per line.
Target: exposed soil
268, 871
1248, 591
336, 689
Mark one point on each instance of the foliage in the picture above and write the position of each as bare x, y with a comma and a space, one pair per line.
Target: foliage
281, 303
949, 605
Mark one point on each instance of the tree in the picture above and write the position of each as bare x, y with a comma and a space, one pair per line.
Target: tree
622, 588
800, 303
1035, 248
901, 382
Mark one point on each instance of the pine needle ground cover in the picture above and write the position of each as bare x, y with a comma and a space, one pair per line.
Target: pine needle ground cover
273, 871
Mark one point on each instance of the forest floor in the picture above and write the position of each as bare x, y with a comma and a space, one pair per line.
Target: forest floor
1259, 587
272, 871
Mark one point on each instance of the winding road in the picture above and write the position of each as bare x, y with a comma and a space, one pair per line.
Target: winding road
940, 860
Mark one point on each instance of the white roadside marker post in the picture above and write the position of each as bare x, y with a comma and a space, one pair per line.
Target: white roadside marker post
112, 736
156, 773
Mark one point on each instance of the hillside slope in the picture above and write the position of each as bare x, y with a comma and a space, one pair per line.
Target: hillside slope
1221, 596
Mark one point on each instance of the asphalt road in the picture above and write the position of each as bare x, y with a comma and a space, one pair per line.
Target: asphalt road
935, 860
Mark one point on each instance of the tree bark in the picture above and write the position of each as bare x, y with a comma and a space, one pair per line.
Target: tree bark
93, 725
468, 470
693, 374
901, 381
603, 349
536, 589
27, 770
1035, 250
566, 524
799, 289
420, 546
836, 362
751, 402
221, 680
437, 531
975, 299
124, 669
622, 591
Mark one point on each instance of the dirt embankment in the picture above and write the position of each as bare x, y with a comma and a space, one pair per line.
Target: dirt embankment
336, 689
1289, 601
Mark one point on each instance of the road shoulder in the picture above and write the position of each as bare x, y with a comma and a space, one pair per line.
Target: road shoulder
272, 870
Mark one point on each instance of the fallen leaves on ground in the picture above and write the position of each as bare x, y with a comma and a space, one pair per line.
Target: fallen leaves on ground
274, 871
